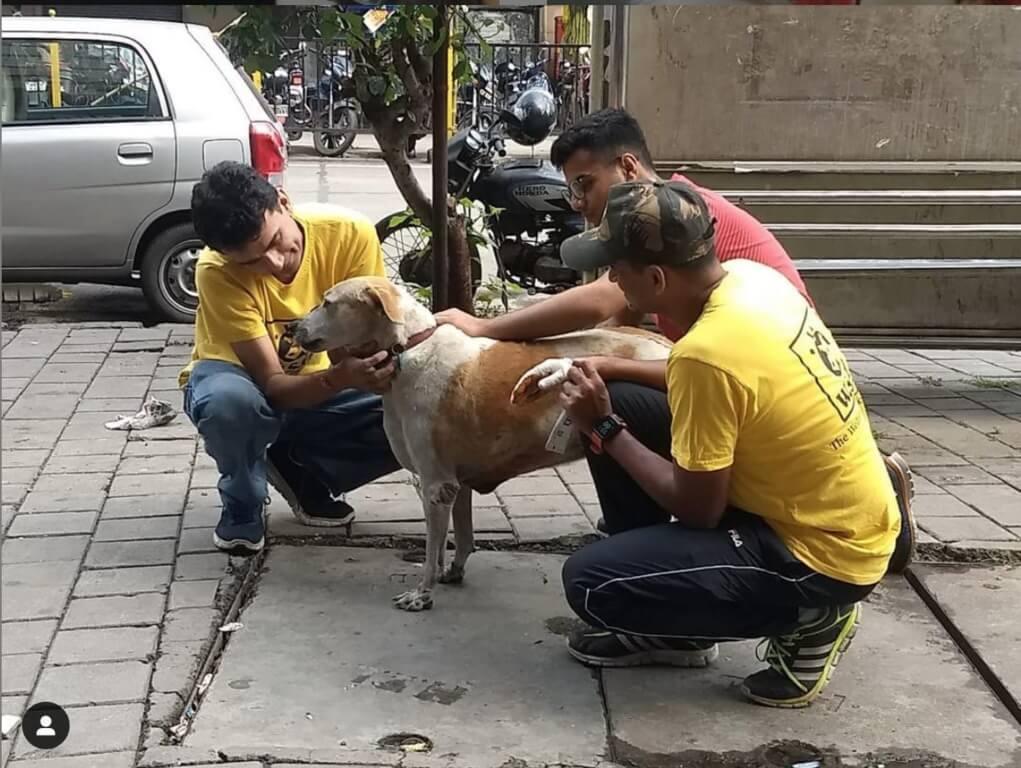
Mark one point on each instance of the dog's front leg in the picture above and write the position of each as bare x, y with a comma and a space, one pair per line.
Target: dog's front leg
464, 538
438, 498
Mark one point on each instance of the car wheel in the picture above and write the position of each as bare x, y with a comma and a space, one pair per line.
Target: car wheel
168, 273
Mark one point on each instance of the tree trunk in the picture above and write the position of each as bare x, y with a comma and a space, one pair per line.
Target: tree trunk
396, 159
459, 292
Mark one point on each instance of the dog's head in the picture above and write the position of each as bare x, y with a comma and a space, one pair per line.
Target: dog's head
358, 316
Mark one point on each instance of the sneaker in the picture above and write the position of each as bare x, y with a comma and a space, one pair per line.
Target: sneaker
598, 648
904, 485
309, 500
802, 662
240, 538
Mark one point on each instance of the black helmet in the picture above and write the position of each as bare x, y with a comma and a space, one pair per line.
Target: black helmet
532, 117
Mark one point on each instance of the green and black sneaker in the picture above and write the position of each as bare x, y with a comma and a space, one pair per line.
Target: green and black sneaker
904, 486
802, 662
598, 648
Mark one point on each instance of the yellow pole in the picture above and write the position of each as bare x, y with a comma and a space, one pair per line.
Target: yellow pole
451, 94
55, 97
257, 79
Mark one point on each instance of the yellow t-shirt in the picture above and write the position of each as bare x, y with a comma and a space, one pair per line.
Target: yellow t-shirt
759, 385
236, 304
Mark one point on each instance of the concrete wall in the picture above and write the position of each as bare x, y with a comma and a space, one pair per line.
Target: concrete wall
826, 82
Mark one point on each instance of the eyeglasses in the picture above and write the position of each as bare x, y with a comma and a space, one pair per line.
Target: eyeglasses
580, 186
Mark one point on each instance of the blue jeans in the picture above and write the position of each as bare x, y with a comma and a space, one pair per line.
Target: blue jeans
341, 442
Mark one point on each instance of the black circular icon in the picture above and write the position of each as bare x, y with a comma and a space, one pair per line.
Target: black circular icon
45, 725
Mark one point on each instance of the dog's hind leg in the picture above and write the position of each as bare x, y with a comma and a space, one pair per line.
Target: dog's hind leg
464, 537
438, 500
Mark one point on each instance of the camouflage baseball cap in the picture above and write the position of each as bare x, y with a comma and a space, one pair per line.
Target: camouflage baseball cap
646, 222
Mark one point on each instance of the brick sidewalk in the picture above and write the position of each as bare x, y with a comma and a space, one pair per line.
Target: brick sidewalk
112, 590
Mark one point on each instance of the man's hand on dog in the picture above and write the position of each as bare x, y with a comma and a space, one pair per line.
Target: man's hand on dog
370, 374
584, 395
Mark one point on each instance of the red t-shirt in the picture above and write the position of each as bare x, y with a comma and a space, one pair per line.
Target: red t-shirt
739, 235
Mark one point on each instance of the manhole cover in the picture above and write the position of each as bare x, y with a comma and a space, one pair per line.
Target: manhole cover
406, 742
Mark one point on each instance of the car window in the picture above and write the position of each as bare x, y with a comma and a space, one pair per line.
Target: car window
46, 81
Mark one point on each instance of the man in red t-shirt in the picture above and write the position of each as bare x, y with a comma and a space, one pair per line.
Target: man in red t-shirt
602, 149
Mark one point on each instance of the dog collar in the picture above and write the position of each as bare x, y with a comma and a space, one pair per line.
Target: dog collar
413, 341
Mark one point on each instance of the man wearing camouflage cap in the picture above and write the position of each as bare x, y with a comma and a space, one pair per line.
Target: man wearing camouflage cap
785, 516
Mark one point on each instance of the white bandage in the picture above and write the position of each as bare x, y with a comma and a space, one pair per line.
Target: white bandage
545, 376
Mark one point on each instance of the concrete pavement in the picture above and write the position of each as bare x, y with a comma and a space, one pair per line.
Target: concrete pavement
113, 595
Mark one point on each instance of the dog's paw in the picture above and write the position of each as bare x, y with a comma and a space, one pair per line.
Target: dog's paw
453, 574
540, 379
414, 600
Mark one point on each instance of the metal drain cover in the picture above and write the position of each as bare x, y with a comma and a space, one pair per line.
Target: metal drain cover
406, 742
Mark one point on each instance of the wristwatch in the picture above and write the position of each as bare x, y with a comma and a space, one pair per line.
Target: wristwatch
605, 430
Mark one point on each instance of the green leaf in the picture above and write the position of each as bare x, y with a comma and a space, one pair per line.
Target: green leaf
398, 219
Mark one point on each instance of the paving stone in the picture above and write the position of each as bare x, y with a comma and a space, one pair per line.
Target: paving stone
920, 452
110, 554
111, 443
959, 528
78, 355
11, 387
177, 665
93, 335
27, 636
142, 506
22, 459
144, 334
201, 566
575, 472
136, 529
193, 594
77, 646
209, 478
562, 504
959, 475
14, 494
485, 500
116, 611
538, 486
159, 447
585, 493
81, 482
941, 505
123, 581
1008, 471
125, 405
24, 368
490, 519
165, 709
118, 386
958, 439
36, 590
44, 550
142, 465
52, 523
104, 760
999, 502
41, 433
19, 475
12, 705
409, 528
548, 528
103, 683
900, 412
57, 372
43, 407
189, 624
180, 429
137, 346
104, 463
141, 485
196, 540
18, 672
86, 425
66, 500
55, 388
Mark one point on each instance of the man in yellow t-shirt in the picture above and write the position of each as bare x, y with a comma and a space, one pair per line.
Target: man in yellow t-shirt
311, 424
785, 515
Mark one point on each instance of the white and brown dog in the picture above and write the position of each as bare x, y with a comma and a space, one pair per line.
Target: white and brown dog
449, 415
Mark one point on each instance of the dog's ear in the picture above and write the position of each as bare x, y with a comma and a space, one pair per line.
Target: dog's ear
388, 299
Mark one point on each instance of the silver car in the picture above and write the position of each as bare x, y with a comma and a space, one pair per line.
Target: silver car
107, 125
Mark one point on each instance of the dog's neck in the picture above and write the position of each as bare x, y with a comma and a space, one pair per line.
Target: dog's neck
418, 325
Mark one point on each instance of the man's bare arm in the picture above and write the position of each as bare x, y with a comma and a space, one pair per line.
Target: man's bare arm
651, 373
696, 499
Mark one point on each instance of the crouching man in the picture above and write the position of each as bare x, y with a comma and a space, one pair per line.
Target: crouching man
267, 409
786, 517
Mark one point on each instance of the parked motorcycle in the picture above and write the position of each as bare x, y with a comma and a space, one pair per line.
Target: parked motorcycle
536, 215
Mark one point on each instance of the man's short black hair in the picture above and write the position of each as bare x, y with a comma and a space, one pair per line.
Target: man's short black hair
229, 204
608, 133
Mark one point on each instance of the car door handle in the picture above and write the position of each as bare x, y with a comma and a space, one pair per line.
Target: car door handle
140, 149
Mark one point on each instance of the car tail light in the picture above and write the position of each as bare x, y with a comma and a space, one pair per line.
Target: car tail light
269, 151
